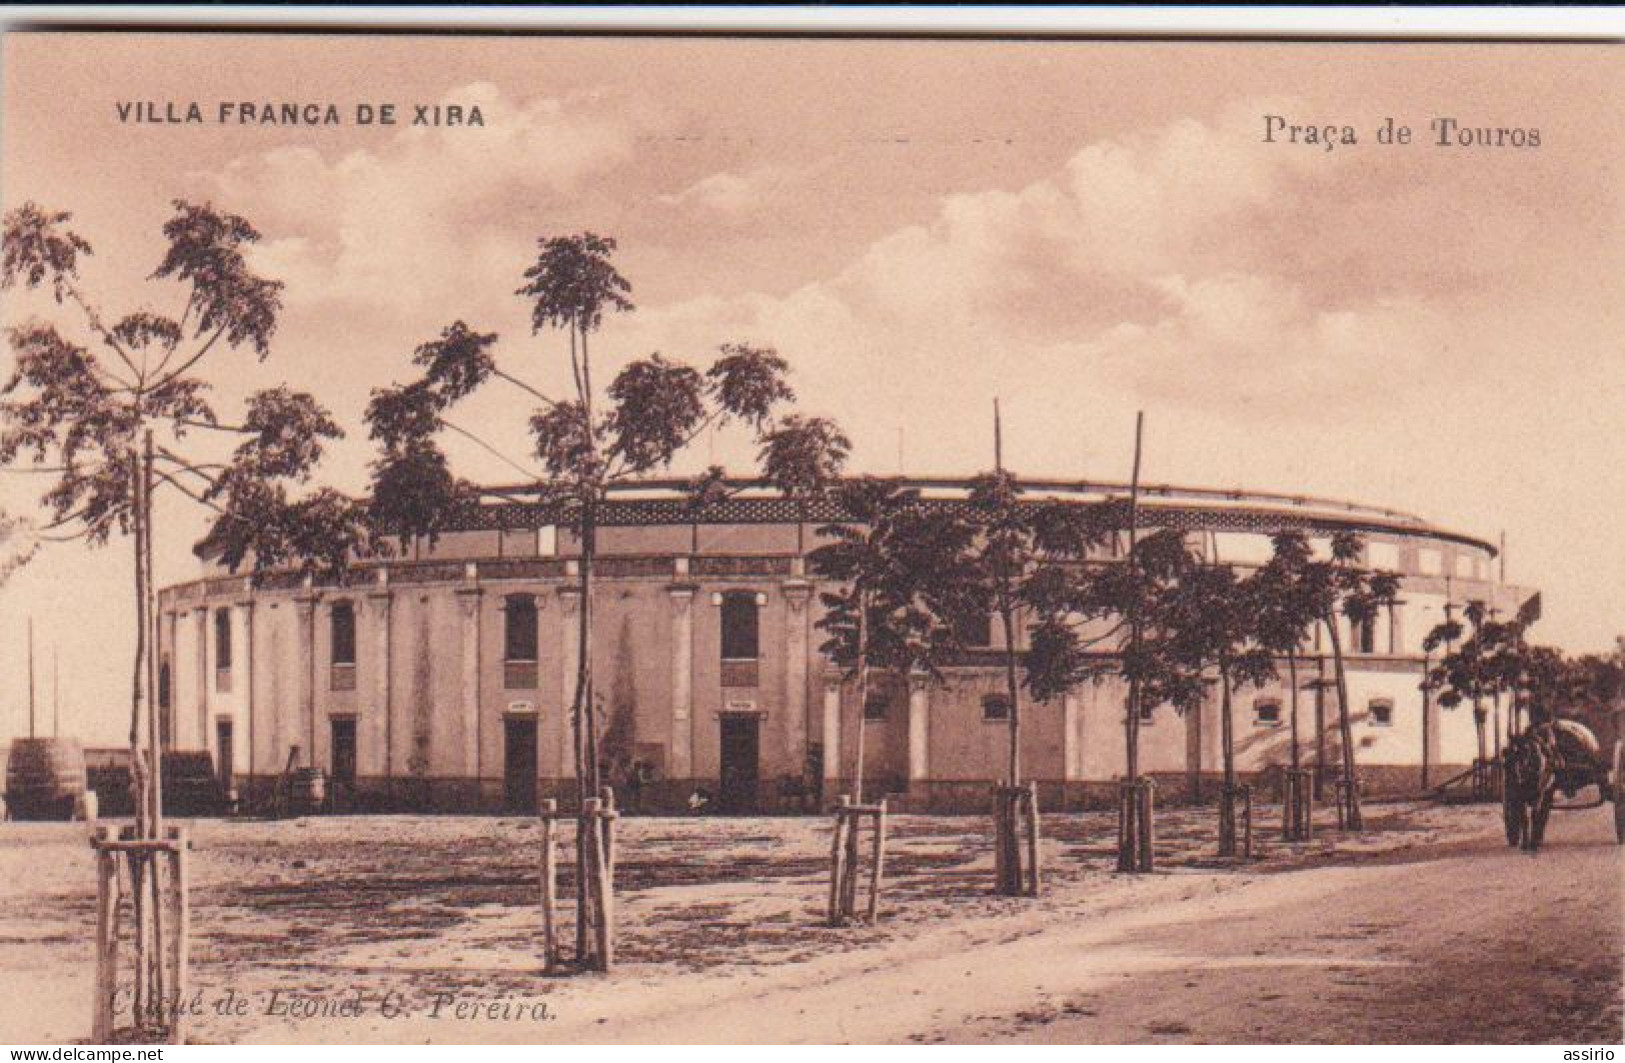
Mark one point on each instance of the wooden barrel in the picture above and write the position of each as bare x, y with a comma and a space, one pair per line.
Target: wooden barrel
307, 791
45, 777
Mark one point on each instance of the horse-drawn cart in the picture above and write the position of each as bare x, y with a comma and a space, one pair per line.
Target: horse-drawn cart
1558, 756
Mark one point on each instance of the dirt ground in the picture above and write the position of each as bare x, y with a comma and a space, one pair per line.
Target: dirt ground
1425, 929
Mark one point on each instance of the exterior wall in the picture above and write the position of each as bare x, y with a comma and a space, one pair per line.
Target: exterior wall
430, 694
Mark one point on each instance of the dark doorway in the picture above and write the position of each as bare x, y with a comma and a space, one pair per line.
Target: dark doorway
741, 750
519, 763
223, 746
342, 753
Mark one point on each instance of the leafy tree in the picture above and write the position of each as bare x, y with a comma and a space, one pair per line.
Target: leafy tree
1476, 664
585, 444
109, 407
1018, 542
1079, 608
1210, 613
1288, 594
1360, 595
901, 571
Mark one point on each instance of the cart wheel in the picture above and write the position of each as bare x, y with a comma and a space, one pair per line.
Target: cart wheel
1617, 784
1512, 815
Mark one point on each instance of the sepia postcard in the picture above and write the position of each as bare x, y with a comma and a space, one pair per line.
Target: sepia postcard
527, 539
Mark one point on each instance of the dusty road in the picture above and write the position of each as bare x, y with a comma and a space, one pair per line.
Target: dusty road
1467, 943
1424, 929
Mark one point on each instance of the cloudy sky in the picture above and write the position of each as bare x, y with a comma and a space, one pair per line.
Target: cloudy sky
1083, 229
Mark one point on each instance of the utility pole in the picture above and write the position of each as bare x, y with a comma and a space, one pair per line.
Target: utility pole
56, 695
998, 439
31, 678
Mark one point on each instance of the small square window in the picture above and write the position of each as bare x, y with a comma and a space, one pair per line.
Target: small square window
875, 706
1382, 714
1147, 714
1266, 714
995, 707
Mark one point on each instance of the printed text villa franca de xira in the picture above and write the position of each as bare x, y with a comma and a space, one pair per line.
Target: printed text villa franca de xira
291, 113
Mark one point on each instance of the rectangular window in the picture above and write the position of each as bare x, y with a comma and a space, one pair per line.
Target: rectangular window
1382, 713
343, 629
1147, 715
1266, 713
1428, 561
222, 650
341, 626
740, 626
1365, 635
875, 706
995, 707
519, 642
222, 639
741, 635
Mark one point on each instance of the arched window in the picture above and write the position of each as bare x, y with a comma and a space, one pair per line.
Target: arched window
222, 649
519, 641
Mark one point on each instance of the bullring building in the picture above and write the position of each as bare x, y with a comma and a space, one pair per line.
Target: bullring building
441, 679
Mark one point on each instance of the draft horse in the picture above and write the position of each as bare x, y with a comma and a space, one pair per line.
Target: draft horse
1557, 755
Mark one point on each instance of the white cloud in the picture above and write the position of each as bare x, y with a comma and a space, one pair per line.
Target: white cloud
406, 222
733, 195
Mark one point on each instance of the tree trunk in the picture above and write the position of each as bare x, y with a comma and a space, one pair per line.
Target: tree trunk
586, 752
155, 769
1292, 677
1345, 728
863, 693
1013, 690
138, 521
1478, 726
1227, 750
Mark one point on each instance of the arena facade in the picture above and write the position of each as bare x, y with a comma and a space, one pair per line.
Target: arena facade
441, 679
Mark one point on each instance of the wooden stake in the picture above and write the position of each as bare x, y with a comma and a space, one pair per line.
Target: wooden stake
550, 887
610, 815
107, 901
183, 930
853, 862
1000, 875
594, 874
837, 851
160, 959
1147, 832
1246, 822
138, 901
1032, 839
878, 855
